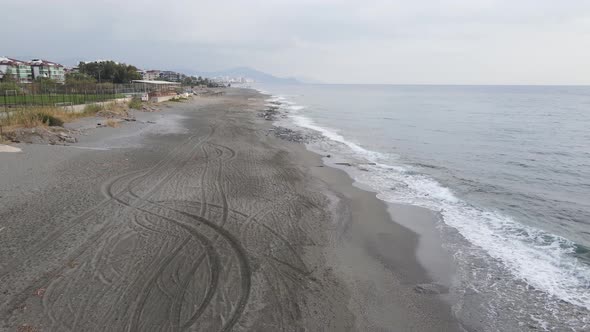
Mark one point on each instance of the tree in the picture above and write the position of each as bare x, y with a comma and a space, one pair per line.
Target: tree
190, 81
8, 76
125, 73
79, 78
8, 83
110, 71
45, 84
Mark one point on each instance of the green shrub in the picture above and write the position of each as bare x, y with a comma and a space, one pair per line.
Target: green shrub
35, 117
49, 119
11, 87
93, 108
135, 103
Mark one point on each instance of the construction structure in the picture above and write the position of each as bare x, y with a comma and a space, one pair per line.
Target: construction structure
157, 91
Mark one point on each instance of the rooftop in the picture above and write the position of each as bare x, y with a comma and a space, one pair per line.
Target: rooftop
9, 61
155, 82
41, 62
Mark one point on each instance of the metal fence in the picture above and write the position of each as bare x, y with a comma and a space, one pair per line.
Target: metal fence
21, 96
34, 94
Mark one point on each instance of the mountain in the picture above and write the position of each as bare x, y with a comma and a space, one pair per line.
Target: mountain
308, 80
247, 72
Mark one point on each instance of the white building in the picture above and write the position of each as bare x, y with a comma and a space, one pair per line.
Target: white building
20, 70
151, 75
47, 69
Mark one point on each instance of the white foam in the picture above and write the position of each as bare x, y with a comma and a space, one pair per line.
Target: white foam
333, 135
295, 108
275, 99
541, 259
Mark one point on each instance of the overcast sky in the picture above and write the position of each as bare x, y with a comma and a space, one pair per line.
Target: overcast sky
360, 41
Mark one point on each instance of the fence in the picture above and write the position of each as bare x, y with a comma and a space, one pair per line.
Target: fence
22, 96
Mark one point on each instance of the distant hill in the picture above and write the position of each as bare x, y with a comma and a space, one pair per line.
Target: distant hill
308, 80
247, 72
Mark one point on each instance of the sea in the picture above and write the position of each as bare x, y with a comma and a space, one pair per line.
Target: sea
507, 169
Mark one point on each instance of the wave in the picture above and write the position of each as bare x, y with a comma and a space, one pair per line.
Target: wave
542, 260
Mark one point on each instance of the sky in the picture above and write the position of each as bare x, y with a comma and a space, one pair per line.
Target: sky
361, 41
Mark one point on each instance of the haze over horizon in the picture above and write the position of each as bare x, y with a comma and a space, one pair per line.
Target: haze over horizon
395, 42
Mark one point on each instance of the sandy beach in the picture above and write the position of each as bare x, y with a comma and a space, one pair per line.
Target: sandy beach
197, 218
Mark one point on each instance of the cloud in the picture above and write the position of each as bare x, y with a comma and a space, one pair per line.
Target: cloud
448, 41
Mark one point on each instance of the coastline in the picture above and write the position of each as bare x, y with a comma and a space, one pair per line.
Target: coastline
376, 257
292, 244
507, 273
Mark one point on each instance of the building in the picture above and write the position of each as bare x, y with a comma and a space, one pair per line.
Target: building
150, 75
27, 72
71, 70
47, 69
20, 70
171, 76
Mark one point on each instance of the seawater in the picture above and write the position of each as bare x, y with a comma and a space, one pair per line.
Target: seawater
507, 168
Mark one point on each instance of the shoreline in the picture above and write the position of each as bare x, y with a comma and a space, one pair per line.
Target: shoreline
504, 274
378, 259
310, 250
389, 242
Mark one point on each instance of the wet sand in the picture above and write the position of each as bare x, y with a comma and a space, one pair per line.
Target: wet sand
204, 221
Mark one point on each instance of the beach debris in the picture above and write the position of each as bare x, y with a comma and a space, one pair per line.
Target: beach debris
205, 92
67, 138
42, 135
26, 328
40, 292
343, 164
151, 122
431, 289
114, 112
149, 108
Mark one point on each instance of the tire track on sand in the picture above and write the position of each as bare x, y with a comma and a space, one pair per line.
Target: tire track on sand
106, 187
241, 255
53, 236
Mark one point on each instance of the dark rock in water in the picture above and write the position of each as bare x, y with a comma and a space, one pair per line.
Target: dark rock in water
432, 288
328, 156
292, 135
269, 113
